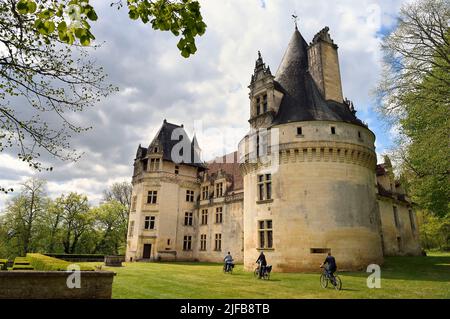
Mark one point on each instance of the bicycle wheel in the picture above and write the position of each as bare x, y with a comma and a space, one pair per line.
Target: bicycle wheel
337, 283
323, 281
256, 272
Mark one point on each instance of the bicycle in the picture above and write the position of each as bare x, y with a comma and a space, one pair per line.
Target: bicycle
334, 279
265, 273
228, 268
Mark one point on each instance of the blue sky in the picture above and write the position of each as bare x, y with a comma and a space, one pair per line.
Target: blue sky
210, 88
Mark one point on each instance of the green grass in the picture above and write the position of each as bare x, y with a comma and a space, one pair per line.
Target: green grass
402, 277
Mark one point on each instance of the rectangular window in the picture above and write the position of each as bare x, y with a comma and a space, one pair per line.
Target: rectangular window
218, 242
168, 242
149, 223
265, 234
152, 197
265, 103
188, 217
411, 220
359, 134
258, 106
177, 170
396, 220
320, 250
299, 131
264, 187
203, 242
187, 243
204, 217
131, 230
133, 203
333, 130
205, 190
190, 196
145, 165
219, 189
154, 164
219, 215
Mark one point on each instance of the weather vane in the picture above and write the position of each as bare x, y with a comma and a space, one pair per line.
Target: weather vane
295, 17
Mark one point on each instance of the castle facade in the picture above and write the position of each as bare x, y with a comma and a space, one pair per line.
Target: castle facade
304, 181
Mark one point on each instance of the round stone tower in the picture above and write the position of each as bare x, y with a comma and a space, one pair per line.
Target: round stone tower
308, 166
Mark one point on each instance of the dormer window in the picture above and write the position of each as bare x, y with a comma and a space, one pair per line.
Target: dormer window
155, 150
333, 130
154, 164
299, 131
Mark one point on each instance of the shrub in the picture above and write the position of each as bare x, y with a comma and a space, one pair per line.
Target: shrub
3, 264
21, 261
22, 267
42, 262
78, 257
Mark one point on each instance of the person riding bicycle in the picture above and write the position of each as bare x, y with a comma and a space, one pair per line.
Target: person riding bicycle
330, 267
262, 264
228, 262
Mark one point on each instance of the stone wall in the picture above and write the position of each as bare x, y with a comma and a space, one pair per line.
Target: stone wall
52, 285
323, 198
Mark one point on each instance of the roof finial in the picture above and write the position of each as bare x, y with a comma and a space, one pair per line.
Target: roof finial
295, 17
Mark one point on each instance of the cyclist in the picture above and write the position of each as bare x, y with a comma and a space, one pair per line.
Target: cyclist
228, 262
330, 267
262, 264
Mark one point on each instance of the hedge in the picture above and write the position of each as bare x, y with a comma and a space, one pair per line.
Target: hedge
3, 264
42, 262
76, 256
22, 267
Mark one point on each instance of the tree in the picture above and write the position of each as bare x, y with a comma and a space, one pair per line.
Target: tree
42, 82
76, 219
45, 75
120, 192
413, 51
21, 217
415, 96
70, 21
110, 223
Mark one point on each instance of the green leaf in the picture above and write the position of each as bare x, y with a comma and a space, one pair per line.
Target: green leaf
133, 14
49, 26
22, 7
85, 40
92, 15
32, 7
62, 26
80, 32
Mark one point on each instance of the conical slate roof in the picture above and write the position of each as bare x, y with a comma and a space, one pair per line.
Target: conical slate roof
302, 99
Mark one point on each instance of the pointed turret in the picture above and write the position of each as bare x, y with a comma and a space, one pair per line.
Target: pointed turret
261, 70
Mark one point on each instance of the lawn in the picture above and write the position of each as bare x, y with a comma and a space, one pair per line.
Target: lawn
401, 277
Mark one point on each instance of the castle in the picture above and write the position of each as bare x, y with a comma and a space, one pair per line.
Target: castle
304, 182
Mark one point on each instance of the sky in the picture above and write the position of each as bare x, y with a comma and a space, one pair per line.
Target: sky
208, 92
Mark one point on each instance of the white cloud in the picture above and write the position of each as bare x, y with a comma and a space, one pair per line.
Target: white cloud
157, 83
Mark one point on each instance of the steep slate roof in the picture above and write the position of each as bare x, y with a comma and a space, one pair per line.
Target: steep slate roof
302, 99
164, 139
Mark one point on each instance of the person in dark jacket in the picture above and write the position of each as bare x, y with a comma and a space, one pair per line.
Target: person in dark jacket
262, 264
330, 265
